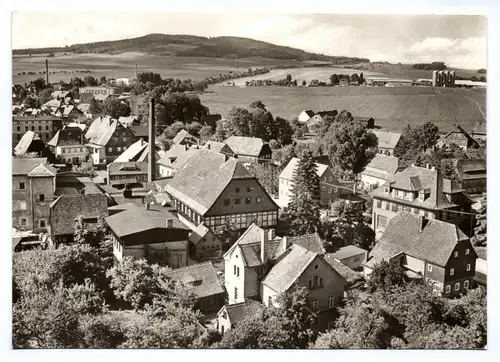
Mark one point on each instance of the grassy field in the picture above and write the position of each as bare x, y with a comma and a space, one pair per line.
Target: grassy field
123, 65
392, 108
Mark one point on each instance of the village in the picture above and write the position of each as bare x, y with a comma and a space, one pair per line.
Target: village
245, 213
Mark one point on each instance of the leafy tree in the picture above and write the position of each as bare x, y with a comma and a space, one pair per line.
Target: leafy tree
172, 130
102, 80
75, 93
361, 79
413, 141
90, 81
288, 78
282, 131
39, 84
282, 156
45, 95
350, 146
302, 214
387, 274
194, 128
479, 238
304, 83
268, 176
101, 331
31, 102
115, 108
355, 78
257, 105
146, 77
206, 133
86, 168
95, 107
77, 82
334, 79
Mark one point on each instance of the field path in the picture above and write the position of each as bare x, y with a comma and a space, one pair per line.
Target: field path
478, 106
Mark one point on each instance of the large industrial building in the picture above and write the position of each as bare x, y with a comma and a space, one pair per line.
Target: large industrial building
443, 78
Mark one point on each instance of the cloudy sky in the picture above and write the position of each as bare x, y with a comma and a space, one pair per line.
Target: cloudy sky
458, 40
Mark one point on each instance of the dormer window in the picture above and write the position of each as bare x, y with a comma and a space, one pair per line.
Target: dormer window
421, 196
387, 189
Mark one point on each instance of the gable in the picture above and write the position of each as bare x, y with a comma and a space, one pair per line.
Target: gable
324, 270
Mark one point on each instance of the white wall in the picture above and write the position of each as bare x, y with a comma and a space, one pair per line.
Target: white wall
231, 280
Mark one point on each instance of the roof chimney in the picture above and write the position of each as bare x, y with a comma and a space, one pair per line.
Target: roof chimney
264, 238
285, 244
170, 223
422, 222
208, 145
151, 146
146, 205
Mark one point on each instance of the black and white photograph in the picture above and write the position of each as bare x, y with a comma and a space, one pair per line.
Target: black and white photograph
239, 180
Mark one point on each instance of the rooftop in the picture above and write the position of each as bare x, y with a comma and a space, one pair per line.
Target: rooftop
177, 156
249, 146
201, 278
137, 151
387, 139
184, 135
23, 166
384, 166
101, 130
288, 172
346, 252
311, 242
239, 311
26, 141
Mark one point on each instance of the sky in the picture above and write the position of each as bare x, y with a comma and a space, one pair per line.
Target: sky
457, 40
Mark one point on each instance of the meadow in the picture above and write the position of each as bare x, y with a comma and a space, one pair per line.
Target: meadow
392, 108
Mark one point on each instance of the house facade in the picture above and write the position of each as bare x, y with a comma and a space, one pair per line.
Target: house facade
351, 256
387, 142
422, 191
45, 126
437, 251
127, 173
215, 189
380, 170
204, 244
33, 187
250, 149
458, 137
68, 145
176, 157
472, 175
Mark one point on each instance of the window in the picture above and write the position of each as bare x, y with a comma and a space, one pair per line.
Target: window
237, 271
314, 304
468, 267
321, 281
270, 301
23, 222
429, 267
455, 254
452, 271
39, 128
330, 301
249, 189
22, 186
448, 289
42, 223
379, 203
310, 283
235, 293
257, 200
119, 149
22, 205
41, 197
32, 128
248, 200
46, 128
467, 251
227, 202
18, 129
316, 266
234, 269
315, 280
466, 284
381, 221
457, 286
237, 189
237, 201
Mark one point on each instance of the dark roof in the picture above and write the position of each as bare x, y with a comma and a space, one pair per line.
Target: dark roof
309, 112
469, 169
183, 135
27, 140
23, 166
348, 274
325, 113
139, 131
203, 177
434, 243
311, 242
201, 278
248, 146
137, 219
65, 210
239, 311
419, 179
199, 233
210, 119
67, 136
127, 168
323, 160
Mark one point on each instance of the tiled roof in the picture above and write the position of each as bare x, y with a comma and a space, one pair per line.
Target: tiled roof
289, 170
347, 252
137, 219
101, 130
182, 135
201, 278
25, 142
135, 152
239, 311
251, 252
43, 170
53, 103
385, 163
249, 146
218, 147
139, 131
387, 139
65, 210
86, 97
67, 136
309, 112
417, 179
23, 166
198, 233
203, 177
180, 154
471, 168
311, 242
348, 274
434, 243
127, 168
282, 275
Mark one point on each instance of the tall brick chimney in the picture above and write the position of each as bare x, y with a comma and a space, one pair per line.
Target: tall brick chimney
47, 71
151, 145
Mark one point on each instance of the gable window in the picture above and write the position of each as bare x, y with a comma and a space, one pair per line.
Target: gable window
248, 200
22, 205
466, 284
330, 301
227, 202
315, 280
119, 149
237, 271
468, 267
41, 197
321, 281
314, 304
43, 223
23, 222
467, 251
448, 289
270, 301
455, 254
110, 149
257, 200
429, 267
237, 189
457, 286
452, 271
22, 186
237, 201
235, 293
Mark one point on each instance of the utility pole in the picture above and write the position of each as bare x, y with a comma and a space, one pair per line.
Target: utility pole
47, 71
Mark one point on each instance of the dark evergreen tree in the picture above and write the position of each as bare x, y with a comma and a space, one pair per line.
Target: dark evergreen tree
479, 238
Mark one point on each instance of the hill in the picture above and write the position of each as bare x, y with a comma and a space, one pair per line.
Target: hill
194, 46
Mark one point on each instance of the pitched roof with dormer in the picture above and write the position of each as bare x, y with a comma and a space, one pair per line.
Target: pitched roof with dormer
177, 156
68, 136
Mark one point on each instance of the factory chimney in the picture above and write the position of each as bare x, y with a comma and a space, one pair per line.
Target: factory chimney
47, 71
136, 73
151, 145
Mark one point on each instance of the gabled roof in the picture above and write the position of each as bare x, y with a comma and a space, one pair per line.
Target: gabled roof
311, 242
325, 113
67, 136
239, 311
309, 112
137, 219
25, 142
288, 172
101, 130
127, 168
387, 139
435, 243
183, 135
23, 166
201, 180
178, 154
201, 278
199, 233
66, 209
383, 166
219, 147
42, 170
139, 131
347, 252
53, 103
471, 168
136, 152
249, 146
348, 274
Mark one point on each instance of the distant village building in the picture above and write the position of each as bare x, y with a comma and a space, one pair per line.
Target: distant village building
219, 147
387, 142
472, 175
250, 149
351, 256
380, 170
100, 93
328, 183
149, 232
183, 137
458, 137
437, 251
479, 131
29, 143
45, 126
204, 244
305, 116
176, 157
68, 145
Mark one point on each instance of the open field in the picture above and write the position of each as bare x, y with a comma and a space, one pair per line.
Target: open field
392, 108
123, 65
